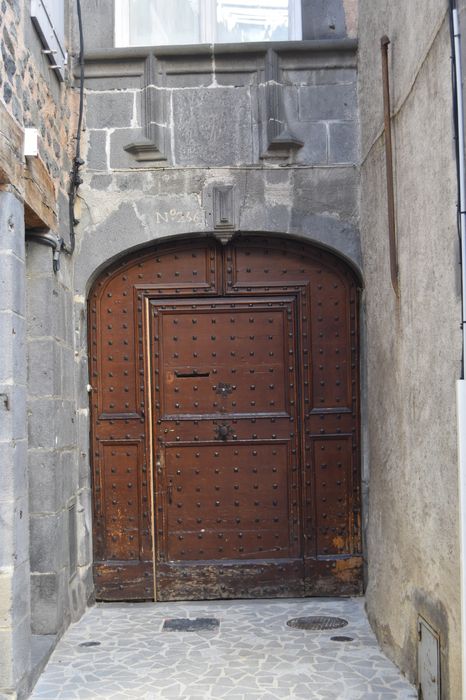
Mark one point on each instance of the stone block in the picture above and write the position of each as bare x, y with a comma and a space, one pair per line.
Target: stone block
42, 423
236, 79
179, 213
13, 470
343, 142
329, 192
47, 602
11, 224
38, 260
51, 423
13, 335
289, 94
97, 154
70, 471
188, 80
321, 76
325, 102
15, 534
213, 126
68, 368
13, 415
100, 182
22, 649
314, 138
45, 542
114, 82
83, 442
12, 284
323, 19
44, 367
6, 662
15, 655
106, 240
97, 26
84, 527
66, 425
42, 303
45, 481
119, 158
112, 109
14, 595
157, 104
61, 316
6, 597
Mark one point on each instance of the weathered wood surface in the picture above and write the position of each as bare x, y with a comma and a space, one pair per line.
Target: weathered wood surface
226, 416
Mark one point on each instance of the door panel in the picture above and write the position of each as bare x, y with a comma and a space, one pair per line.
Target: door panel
227, 477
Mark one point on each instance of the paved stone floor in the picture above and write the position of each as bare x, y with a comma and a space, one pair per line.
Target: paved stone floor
252, 654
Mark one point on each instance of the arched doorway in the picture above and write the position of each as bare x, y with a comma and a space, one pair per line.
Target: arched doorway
225, 422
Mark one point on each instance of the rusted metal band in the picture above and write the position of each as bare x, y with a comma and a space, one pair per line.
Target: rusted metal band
384, 42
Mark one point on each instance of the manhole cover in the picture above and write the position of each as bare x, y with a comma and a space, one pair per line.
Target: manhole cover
183, 624
317, 623
89, 644
342, 638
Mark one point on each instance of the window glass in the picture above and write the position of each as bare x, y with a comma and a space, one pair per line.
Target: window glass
156, 22
250, 20
162, 22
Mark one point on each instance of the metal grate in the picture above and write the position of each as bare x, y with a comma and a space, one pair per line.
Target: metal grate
184, 624
317, 622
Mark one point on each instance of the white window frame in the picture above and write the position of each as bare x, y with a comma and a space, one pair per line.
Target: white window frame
207, 21
48, 17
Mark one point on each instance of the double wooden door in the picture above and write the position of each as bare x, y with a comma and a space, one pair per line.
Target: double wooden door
225, 431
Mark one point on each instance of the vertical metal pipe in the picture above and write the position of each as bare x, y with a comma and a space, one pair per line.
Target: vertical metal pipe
461, 384
385, 41
461, 167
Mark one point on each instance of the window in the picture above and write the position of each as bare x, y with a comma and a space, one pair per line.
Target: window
162, 22
48, 17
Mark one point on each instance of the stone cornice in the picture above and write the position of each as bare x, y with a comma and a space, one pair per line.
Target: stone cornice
134, 56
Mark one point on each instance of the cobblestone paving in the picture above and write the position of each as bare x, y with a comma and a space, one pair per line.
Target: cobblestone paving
252, 654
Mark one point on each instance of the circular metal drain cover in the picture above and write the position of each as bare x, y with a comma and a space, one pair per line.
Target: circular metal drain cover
317, 622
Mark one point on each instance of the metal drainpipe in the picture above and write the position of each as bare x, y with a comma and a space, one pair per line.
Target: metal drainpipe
461, 383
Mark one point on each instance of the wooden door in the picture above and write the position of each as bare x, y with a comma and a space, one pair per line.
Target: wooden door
227, 479
225, 422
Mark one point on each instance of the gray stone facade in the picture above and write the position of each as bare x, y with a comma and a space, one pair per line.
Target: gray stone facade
15, 629
413, 343
293, 132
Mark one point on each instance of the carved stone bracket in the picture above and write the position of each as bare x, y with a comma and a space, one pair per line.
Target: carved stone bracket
280, 142
223, 207
151, 146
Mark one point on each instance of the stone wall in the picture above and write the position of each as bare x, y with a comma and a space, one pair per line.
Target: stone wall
15, 629
413, 349
32, 94
163, 129
40, 567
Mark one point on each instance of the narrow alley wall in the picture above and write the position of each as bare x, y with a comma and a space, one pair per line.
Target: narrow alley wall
413, 343
41, 577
